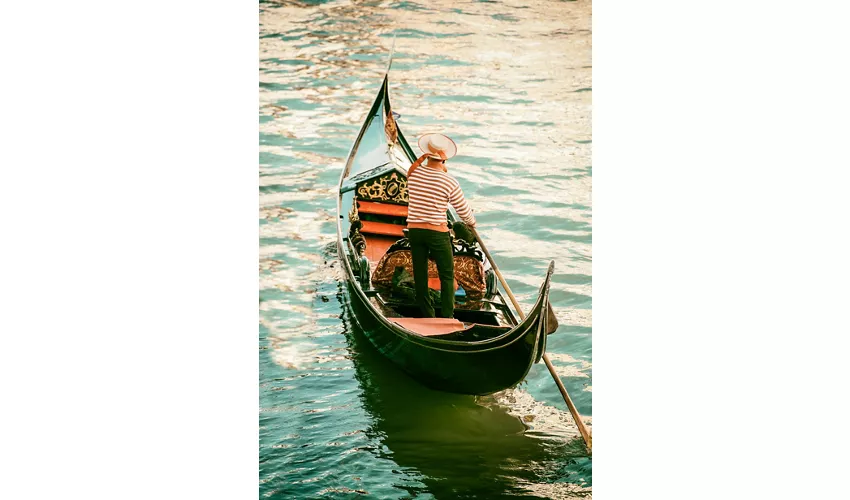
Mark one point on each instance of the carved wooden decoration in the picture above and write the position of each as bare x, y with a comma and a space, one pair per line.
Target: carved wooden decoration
390, 128
353, 215
391, 187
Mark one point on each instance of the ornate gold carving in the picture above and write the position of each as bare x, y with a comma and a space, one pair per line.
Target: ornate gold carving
357, 239
390, 187
353, 215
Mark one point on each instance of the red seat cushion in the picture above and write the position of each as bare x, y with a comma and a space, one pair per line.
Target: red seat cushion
382, 228
430, 326
371, 207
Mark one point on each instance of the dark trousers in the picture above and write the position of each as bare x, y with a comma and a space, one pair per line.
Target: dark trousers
437, 245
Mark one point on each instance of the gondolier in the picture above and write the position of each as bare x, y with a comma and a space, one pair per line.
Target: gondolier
431, 189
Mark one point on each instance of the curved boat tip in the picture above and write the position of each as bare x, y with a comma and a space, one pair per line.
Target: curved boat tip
551, 318
549, 271
392, 53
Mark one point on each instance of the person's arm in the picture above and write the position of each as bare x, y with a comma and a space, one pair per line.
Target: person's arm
459, 202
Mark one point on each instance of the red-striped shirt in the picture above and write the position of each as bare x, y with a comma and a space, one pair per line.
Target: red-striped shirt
430, 191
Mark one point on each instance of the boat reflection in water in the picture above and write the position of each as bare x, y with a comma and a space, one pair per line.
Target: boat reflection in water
458, 445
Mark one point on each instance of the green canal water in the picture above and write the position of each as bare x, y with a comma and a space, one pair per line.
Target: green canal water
510, 82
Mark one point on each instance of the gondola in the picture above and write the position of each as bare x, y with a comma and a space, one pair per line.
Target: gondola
481, 350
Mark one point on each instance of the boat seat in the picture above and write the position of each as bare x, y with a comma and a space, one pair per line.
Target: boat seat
381, 228
469, 272
372, 207
431, 326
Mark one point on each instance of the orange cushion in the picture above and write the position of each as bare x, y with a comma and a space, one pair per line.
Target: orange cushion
371, 207
382, 228
430, 326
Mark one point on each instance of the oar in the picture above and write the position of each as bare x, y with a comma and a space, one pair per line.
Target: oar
582, 428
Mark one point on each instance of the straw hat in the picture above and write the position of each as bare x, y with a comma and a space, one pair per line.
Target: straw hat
437, 146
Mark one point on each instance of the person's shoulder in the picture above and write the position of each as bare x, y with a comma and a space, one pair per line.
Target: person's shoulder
443, 175
446, 175
450, 178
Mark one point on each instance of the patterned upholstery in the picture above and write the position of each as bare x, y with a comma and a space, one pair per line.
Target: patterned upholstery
469, 272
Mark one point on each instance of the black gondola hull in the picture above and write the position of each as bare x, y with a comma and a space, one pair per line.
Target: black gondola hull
465, 372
